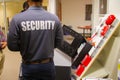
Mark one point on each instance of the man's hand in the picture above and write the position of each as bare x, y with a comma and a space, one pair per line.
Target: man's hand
4, 44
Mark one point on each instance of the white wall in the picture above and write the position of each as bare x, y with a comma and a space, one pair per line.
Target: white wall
112, 8
52, 6
95, 15
73, 13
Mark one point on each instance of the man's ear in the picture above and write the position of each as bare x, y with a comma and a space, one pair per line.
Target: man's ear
29, 2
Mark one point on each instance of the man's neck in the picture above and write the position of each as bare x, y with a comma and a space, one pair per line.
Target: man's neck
37, 4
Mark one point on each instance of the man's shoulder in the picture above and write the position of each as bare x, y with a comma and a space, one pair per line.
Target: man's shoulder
18, 16
52, 15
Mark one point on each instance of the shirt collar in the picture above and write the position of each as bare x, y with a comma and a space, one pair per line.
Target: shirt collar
35, 8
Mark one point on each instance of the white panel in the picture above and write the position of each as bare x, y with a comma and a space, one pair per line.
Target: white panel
61, 59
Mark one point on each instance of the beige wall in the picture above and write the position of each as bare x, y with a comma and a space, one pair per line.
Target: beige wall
45, 2
73, 13
1, 15
12, 8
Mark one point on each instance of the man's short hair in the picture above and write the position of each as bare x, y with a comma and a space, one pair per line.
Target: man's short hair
25, 5
37, 0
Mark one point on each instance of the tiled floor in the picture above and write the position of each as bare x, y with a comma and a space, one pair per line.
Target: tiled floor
11, 65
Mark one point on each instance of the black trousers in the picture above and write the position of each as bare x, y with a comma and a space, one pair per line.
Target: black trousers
45, 71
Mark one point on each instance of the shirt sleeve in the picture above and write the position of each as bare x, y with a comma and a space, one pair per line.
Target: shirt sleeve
13, 39
59, 36
2, 37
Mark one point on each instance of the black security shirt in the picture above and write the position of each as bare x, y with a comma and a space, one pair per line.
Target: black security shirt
35, 33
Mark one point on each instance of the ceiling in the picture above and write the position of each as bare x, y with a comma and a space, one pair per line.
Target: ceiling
45, 1
10, 0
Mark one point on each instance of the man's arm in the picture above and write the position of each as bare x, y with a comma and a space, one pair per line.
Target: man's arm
59, 36
13, 36
3, 40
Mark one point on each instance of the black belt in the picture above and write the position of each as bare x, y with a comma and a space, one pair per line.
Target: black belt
38, 61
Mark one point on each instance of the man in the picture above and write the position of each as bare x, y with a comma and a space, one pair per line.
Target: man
3, 44
35, 33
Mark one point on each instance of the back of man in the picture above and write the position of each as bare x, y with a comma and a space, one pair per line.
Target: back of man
35, 33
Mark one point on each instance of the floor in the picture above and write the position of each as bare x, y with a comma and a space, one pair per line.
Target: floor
11, 65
